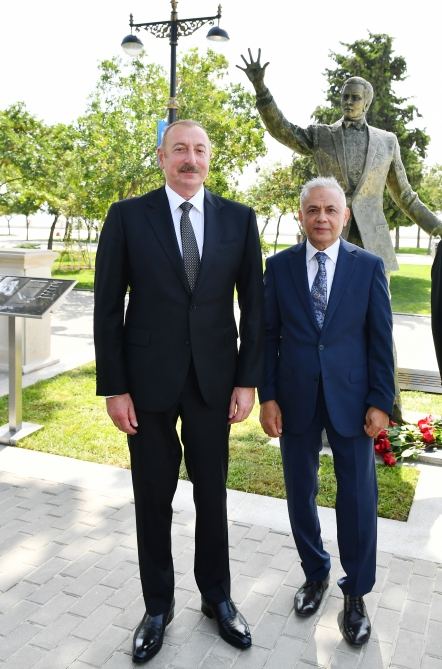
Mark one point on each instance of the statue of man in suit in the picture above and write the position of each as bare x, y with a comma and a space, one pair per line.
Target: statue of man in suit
362, 159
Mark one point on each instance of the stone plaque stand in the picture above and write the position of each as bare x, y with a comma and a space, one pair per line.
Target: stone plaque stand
36, 336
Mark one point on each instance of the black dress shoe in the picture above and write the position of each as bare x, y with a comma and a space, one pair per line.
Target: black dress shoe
232, 625
356, 627
148, 637
309, 597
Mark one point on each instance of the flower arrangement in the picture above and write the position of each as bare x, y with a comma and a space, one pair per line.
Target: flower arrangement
407, 440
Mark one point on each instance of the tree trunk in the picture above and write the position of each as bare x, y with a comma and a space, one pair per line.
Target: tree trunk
264, 226
28, 223
396, 243
67, 230
430, 239
51, 232
277, 233
418, 238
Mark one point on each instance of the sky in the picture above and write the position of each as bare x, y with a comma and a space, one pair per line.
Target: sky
50, 50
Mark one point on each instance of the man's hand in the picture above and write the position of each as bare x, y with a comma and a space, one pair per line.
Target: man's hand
375, 421
241, 404
255, 71
121, 410
270, 418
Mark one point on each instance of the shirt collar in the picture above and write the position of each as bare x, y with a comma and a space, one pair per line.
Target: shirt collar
331, 251
175, 200
359, 125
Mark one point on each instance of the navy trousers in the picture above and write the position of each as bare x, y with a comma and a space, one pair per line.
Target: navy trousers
356, 501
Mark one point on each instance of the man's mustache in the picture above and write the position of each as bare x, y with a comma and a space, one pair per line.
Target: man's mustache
189, 168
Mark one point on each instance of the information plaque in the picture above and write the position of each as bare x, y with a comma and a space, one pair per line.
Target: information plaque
31, 297
24, 297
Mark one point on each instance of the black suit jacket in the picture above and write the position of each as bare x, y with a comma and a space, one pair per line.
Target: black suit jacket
147, 351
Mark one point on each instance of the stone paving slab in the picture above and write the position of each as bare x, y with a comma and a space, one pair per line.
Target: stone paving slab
70, 595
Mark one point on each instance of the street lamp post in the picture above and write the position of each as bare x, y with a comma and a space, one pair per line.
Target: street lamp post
172, 29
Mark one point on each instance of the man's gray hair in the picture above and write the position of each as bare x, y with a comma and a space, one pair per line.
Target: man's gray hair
189, 123
368, 88
320, 182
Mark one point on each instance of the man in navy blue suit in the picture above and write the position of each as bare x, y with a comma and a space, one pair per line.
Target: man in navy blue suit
329, 365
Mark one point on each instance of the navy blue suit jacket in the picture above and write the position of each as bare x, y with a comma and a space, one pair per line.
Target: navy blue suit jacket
352, 354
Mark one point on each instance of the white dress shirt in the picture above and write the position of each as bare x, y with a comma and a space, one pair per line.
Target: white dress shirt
330, 264
196, 215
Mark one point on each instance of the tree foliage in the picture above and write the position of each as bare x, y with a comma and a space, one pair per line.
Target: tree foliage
276, 194
228, 113
432, 186
23, 144
110, 152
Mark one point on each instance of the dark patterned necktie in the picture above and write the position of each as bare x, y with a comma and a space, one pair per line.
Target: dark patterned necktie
191, 256
319, 289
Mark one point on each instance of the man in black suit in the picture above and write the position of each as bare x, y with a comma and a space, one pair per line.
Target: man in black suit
180, 251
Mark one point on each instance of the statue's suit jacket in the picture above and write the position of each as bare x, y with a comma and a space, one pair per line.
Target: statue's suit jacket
351, 355
383, 167
147, 353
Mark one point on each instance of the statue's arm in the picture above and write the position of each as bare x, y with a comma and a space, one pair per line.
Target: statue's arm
296, 138
407, 199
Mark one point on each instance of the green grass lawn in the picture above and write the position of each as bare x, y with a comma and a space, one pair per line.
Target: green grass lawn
75, 265
411, 289
76, 425
413, 250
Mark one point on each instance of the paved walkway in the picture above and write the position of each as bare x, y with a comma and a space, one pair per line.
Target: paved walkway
69, 587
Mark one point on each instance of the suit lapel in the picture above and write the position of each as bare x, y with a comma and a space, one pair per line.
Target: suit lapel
298, 270
160, 220
338, 140
212, 233
344, 269
373, 141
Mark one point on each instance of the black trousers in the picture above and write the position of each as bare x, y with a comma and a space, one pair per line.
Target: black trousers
156, 454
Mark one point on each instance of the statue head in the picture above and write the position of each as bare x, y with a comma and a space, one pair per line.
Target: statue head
356, 98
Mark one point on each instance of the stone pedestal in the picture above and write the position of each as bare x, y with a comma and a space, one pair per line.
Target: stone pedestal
36, 349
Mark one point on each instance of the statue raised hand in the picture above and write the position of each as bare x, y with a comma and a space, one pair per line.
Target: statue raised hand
255, 71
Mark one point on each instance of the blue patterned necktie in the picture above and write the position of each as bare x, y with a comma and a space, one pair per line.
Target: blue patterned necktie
191, 256
319, 289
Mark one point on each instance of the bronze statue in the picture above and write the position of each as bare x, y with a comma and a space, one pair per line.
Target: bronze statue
363, 159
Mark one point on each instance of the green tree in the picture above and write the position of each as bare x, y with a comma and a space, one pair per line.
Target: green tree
432, 186
116, 142
227, 112
276, 193
22, 142
58, 176
374, 60
431, 191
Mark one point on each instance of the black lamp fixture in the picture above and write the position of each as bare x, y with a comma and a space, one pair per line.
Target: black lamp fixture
172, 29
